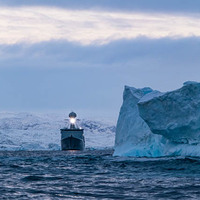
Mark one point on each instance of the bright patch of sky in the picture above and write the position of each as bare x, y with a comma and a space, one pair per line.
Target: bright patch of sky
38, 24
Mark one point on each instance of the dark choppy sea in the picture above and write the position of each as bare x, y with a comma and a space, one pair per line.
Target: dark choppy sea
96, 175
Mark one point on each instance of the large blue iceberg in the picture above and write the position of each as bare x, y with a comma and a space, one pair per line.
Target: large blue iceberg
155, 124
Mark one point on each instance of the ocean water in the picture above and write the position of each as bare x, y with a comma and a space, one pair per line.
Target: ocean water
96, 174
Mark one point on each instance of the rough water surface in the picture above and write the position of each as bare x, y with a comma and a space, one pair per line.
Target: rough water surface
96, 175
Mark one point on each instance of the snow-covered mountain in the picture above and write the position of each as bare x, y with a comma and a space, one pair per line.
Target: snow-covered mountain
28, 131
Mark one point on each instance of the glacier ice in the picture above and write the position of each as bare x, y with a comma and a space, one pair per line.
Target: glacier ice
155, 124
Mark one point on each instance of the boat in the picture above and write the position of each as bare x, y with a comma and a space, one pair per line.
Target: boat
72, 138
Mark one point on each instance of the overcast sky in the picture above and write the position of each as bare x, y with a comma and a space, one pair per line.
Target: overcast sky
78, 54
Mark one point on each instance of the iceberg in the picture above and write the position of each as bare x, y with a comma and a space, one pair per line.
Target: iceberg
155, 124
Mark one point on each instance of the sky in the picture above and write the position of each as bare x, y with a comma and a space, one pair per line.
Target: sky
59, 56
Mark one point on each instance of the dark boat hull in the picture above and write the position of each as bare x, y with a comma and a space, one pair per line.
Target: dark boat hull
72, 143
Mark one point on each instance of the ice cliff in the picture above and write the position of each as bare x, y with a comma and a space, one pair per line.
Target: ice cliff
133, 136
34, 131
155, 124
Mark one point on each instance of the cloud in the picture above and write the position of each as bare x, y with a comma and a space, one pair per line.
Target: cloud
58, 54
60, 75
79, 54
38, 24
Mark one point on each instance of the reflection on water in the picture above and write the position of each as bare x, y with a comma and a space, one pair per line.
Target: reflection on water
96, 175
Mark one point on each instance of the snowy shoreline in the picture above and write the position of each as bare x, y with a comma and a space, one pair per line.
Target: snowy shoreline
28, 131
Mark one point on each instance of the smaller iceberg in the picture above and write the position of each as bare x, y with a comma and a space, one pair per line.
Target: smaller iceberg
155, 124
